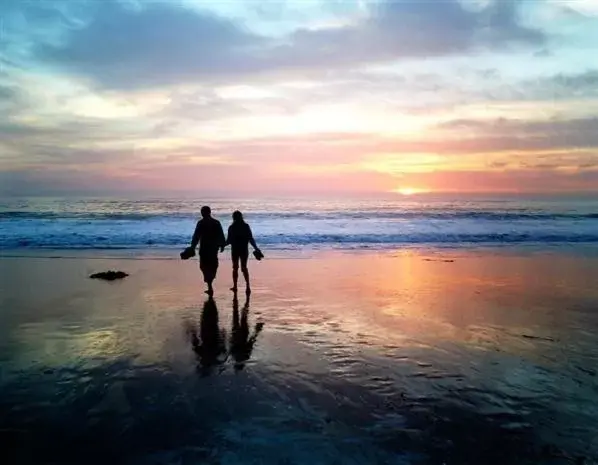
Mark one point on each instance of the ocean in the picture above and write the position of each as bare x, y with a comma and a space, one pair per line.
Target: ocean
298, 224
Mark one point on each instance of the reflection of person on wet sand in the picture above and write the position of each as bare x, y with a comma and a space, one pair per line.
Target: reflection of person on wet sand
241, 344
209, 344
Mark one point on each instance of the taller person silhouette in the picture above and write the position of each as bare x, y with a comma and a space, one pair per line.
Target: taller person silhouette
210, 237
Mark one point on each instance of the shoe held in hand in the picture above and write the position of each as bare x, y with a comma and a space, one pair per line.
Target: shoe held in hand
187, 253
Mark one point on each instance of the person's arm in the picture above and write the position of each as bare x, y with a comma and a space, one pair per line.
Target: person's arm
251, 239
256, 332
196, 235
228, 237
221, 239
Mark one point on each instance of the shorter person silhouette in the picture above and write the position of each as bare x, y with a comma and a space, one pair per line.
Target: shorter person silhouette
239, 237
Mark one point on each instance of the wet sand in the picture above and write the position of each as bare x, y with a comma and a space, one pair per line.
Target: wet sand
358, 358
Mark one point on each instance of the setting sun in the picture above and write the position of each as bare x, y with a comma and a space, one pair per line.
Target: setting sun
409, 190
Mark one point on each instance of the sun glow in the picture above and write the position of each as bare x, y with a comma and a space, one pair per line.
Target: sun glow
409, 190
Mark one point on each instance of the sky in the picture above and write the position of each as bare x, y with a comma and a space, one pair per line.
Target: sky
298, 97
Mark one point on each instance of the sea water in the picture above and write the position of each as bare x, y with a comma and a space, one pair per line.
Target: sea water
374, 223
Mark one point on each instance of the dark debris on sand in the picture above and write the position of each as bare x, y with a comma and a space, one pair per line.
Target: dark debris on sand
109, 275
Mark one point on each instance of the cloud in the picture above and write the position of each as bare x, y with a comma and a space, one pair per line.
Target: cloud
513, 180
187, 173
568, 86
42, 181
560, 86
127, 47
408, 29
508, 135
7, 94
325, 163
162, 43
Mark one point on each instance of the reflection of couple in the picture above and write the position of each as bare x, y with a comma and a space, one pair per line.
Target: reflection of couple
209, 344
210, 237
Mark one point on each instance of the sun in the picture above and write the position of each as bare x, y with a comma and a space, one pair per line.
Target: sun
409, 190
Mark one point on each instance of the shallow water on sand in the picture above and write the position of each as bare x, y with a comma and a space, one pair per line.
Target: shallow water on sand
356, 359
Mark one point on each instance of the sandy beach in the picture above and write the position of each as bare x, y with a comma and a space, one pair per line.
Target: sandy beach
406, 357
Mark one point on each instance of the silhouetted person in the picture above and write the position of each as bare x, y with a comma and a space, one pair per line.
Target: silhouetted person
209, 344
241, 344
210, 236
239, 237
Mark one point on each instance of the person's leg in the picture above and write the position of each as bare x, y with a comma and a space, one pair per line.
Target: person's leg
203, 266
214, 266
244, 257
235, 258
208, 263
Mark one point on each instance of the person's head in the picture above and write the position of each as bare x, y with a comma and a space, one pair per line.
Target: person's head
206, 211
237, 216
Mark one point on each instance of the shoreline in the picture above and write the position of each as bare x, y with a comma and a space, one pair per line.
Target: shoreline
172, 253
